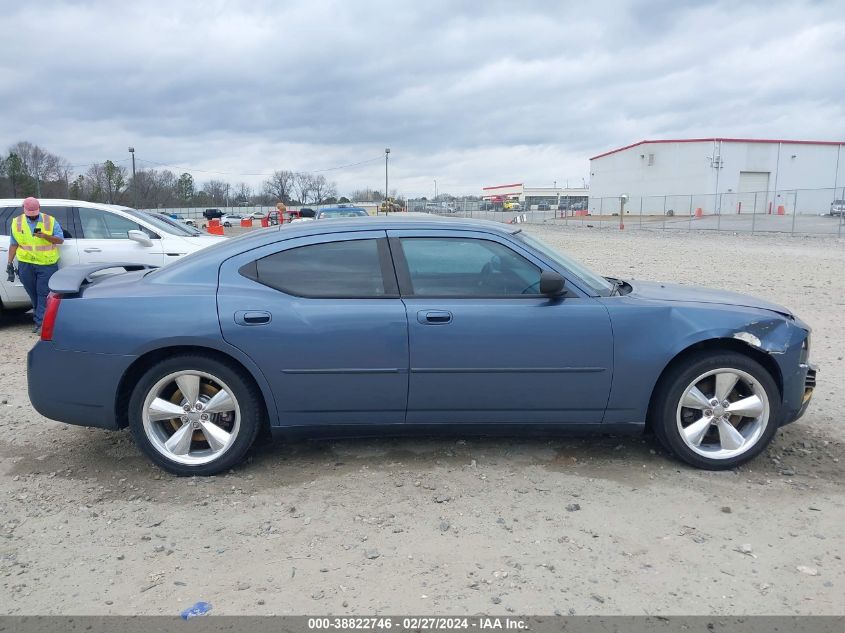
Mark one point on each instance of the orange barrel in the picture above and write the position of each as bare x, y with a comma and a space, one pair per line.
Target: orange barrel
215, 229
781, 210
699, 212
214, 222
246, 222
265, 222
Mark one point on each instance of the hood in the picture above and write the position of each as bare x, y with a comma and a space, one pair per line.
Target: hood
676, 292
197, 242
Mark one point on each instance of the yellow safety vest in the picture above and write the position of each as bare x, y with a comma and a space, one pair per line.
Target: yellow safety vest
31, 249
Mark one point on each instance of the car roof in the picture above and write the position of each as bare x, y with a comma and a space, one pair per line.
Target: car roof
61, 202
399, 220
207, 260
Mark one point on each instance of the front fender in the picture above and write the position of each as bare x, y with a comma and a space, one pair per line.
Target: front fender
649, 335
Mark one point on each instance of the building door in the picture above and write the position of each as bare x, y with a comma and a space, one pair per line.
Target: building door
753, 191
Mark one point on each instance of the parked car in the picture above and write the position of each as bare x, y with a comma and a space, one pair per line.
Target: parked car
231, 219
486, 206
211, 214
101, 233
837, 208
183, 225
543, 206
341, 212
512, 205
399, 321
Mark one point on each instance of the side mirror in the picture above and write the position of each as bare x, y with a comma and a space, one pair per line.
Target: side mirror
551, 284
140, 237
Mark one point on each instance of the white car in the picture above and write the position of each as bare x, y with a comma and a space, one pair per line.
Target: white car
232, 219
96, 233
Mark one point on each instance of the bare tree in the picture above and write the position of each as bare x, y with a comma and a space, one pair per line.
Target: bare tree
37, 163
303, 185
156, 188
322, 189
280, 186
242, 192
216, 191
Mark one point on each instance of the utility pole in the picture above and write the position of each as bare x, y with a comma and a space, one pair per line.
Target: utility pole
386, 203
134, 180
435, 190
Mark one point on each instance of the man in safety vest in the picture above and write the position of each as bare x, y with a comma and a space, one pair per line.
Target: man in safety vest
35, 239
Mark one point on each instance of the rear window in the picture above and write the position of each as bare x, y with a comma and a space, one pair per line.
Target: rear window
62, 215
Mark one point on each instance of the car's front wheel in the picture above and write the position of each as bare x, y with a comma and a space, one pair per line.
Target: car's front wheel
195, 415
716, 410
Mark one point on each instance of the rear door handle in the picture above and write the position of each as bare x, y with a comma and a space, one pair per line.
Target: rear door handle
92, 250
434, 317
252, 317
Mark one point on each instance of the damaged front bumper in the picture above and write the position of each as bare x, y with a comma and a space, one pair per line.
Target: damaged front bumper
809, 387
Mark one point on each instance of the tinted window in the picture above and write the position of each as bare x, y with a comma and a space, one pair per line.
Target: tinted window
102, 225
334, 269
460, 267
5, 216
62, 215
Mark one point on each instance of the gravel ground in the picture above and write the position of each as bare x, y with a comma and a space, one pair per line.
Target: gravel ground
460, 526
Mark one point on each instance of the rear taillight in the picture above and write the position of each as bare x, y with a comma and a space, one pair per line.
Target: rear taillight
50, 312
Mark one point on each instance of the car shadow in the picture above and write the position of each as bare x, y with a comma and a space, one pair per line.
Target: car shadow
84, 454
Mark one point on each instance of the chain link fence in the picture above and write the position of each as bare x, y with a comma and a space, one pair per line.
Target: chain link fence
792, 211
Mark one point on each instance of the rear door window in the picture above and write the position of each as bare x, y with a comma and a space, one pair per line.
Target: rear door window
62, 214
341, 270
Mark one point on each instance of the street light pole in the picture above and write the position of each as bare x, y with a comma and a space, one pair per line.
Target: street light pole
435, 190
134, 180
386, 204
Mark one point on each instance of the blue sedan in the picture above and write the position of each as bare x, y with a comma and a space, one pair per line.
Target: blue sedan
380, 324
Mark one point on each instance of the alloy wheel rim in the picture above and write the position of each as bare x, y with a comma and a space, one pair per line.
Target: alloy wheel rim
191, 417
723, 413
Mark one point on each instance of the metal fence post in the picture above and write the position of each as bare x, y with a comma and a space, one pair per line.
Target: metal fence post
690, 214
641, 212
664, 213
754, 213
794, 211
718, 213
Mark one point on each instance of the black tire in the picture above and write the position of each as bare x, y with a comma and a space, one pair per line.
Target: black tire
671, 389
244, 390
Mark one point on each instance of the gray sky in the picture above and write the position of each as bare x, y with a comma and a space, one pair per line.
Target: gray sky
469, 93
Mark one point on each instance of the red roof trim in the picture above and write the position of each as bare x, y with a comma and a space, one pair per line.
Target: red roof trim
516, 184
725, 140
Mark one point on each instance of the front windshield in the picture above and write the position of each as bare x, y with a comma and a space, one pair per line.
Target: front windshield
596, 283
160, 222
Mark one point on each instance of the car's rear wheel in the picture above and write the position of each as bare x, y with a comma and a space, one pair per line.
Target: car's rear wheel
195, 415
716, 410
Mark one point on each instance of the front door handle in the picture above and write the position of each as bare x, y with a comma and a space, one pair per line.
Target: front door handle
252, 317
434, 317
92, 250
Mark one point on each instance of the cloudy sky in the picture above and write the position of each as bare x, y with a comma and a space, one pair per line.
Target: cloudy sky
468, 93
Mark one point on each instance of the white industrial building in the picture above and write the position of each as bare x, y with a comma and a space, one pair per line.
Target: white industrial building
719, 175
532, 196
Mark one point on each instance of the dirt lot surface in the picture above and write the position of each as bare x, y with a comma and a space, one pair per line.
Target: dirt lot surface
460, 526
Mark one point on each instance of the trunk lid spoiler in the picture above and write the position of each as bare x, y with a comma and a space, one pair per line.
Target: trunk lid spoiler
69, 280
